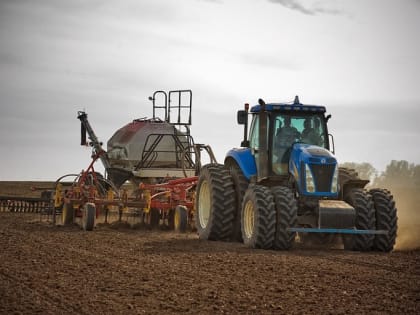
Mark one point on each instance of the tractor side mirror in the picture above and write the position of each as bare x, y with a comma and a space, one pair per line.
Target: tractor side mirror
242, 117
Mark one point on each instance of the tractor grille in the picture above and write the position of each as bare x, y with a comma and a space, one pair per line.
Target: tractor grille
323, 175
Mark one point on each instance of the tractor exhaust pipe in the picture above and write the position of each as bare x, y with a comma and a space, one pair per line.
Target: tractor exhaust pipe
262, 165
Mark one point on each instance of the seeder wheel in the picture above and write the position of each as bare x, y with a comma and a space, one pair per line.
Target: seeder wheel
180, 219
89, 215
67, 214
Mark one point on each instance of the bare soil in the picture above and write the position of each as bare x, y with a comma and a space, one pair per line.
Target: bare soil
52, 269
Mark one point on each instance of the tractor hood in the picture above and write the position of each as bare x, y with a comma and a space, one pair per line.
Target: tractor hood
314, 169
309, 153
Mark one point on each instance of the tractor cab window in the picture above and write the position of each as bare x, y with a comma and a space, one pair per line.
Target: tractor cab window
254, 134
291, 128
254, 137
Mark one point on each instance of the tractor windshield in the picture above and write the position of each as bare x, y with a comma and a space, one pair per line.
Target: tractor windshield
291, 128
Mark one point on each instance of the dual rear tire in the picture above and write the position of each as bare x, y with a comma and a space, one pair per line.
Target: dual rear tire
375, 210
386, 219
215, 203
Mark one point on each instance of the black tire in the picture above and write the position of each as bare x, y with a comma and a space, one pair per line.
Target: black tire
181, 219
241, 184
154, 218
215, 203
258, 217
286, 216
386, 219
89, 215
365, 220
170, 217
67, 214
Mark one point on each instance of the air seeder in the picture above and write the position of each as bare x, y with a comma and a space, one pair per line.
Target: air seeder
157, 157
285, 181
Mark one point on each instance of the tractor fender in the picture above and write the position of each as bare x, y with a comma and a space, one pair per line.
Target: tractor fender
245, 160
351, 184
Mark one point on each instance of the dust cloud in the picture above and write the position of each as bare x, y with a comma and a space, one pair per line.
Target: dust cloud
408, 211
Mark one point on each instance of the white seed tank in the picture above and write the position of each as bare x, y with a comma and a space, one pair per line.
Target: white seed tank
146, 143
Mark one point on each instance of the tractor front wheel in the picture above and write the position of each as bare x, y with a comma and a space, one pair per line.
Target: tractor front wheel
286, 216
258, 217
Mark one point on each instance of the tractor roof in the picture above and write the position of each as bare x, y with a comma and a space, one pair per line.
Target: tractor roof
295, 106
272, 107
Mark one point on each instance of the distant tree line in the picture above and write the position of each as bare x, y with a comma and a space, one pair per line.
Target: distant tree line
397, 174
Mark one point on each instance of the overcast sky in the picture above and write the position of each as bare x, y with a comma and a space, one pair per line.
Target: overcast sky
359, 58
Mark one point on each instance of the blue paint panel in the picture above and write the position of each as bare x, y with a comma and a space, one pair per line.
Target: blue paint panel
245, 160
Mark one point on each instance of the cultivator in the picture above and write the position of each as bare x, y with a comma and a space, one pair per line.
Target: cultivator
91, 196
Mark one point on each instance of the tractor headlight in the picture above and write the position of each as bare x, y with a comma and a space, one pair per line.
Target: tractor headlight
310, 185
334, 185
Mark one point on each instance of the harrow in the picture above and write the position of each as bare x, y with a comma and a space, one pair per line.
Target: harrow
90, 196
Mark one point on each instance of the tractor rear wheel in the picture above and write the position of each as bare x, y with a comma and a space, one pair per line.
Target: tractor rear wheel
286, 216
386, 219
365, 220
180, 219
67, 213
215, 203
89, 215
258, 217
240, 184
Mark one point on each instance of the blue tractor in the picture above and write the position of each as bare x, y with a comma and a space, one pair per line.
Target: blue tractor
285, 181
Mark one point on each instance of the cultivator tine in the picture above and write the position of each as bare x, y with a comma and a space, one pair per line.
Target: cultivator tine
24, 204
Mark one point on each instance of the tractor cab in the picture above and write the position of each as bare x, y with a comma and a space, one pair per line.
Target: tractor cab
295, 145
286, 128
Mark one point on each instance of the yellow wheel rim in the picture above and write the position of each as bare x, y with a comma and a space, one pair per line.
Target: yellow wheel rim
249, 217
176, 219
204, 204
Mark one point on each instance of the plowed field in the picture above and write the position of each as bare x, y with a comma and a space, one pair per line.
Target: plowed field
47, 269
